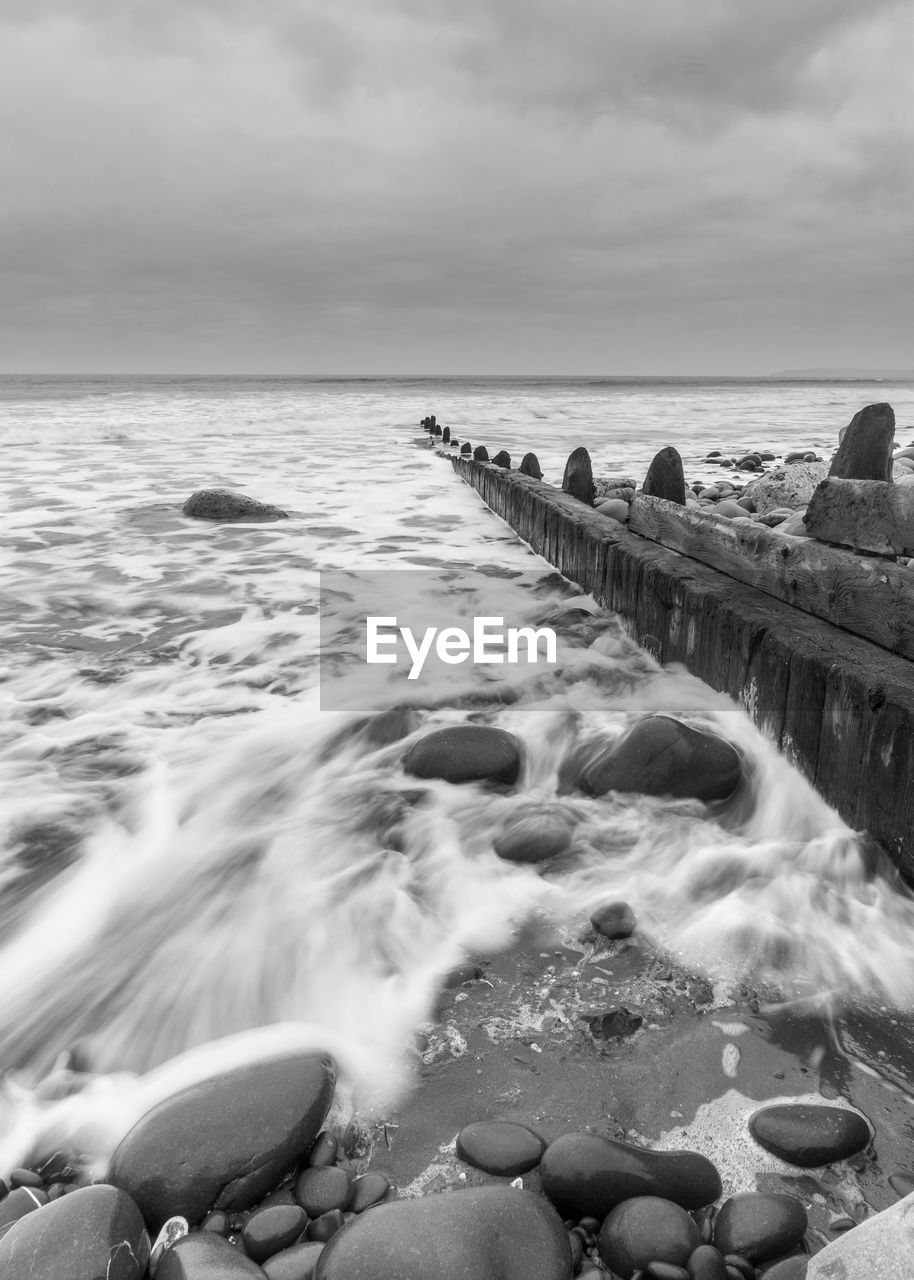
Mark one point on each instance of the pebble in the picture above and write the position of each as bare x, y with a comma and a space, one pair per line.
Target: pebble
216, 1221
809, 1135
585, 1174
460, 974
759, 1225
706, 1263
644, 1230
297, 1263
206, 1256
614, 920
324, 1150
465, 753
534, 837
19, 1202
478, 1233
902, 1183
271, 1229
326, 1226
369, 1190
25, 1178
500, 1147
321, 1189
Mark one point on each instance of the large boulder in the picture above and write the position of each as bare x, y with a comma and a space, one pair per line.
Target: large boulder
865, 451
880, 1246
226, 504
788, 486
578, 477
663, 756
94, 1232
465, 753
481, 1233
225, 1142
665, 478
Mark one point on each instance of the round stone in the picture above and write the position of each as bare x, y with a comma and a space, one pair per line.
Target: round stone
324, 1150
479, 1233
706, 1263
297, 1263
271, 1229
646, 1229
661, 755
534, 837
320, 1189
759, 1225
205, 1256
586, 1175
615, 920
465, 753
500, 1147
809, 1135
369, 1190
95, 1231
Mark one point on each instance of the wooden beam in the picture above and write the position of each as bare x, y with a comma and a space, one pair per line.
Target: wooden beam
871, 598
872, 515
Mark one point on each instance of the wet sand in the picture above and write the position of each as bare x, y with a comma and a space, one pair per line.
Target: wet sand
516, 1045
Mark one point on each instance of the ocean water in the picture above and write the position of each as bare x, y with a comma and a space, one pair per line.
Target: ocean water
192, 848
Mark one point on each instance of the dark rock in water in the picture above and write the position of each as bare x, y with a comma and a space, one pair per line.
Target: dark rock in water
500, 1147
324, 1151
432, 422
575, 763
460, 974
665, 478
865, 453
369, 1190
759, 1225
706, 1263
223, 1143
661, 755
530, 466
446, 435
480, 453
391, 725
205, 1256
94, 1232
789, 1269
465, 753
615, 1024
534, 837
466, 447
297, 1263
271, 1229
586, 1175
578, 478
320, 1190
809, 1135
502, 459
481, 1233
226, 504
644, 1229
615, 920
19, 1202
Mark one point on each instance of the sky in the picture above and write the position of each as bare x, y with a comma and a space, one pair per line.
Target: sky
455, 186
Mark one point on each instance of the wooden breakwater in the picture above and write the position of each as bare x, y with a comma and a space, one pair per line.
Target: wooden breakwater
838, 705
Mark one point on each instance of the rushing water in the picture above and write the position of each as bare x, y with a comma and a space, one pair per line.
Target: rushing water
191, 847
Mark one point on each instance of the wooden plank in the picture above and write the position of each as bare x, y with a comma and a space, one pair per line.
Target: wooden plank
872, 515
870, 598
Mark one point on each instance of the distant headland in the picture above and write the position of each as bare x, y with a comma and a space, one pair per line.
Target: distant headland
850, 375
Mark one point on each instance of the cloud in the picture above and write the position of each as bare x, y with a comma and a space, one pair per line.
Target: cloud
290, 185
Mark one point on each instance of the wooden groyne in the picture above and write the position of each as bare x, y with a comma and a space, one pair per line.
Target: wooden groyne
838, 704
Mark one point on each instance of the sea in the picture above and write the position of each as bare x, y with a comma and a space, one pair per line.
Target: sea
196, 843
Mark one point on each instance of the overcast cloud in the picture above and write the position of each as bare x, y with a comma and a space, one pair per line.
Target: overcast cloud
568, 186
